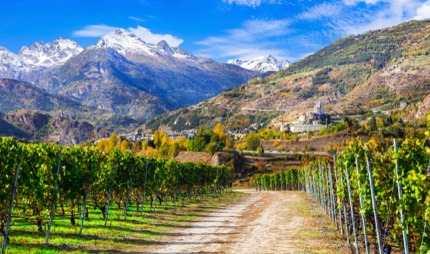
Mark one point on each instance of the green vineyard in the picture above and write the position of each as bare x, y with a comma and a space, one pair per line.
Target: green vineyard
379, 200
40, 181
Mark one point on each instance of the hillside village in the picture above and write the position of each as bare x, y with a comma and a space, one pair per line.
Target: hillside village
312, 121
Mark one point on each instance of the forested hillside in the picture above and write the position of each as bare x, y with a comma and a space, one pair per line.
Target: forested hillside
378, 69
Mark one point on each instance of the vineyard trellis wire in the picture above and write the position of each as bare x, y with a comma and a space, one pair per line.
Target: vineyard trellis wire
52, 177
382, 198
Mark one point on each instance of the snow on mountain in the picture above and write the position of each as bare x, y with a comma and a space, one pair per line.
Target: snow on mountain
31, 62
128, 44
10, 64
124, 43
49, 54
284, 64
261, 64
147, 79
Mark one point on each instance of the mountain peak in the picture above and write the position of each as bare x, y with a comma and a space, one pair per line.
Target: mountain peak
129, 44
163, 47
163, 44
261, 64
124, 42
49, 54
120, 32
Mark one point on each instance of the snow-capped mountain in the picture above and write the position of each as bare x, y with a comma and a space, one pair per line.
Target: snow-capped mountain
49, 54
128, 44
124, 43
261, 64
10, 64
32, 61
122, 74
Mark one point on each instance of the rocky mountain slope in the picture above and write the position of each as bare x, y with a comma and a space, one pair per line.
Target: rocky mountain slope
261, 64
15, 95
117, 84
373, 71
122, 74
34, 125
19, 96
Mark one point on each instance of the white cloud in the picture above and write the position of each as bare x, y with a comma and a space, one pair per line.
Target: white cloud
252, 3
146, 35
387, 13
254, 38
136, 19
321, 11
423, 12
94, 31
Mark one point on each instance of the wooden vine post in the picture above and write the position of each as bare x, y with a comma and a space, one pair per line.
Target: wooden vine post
374, 206
344, 210
338, 201
84, 210
323, 189
216, 183
127, 201
333, 199
110, 192
329, 197
9, 216
400, 192
351, 207
144, 186
156, 190
197, 192
176, 190
54, 197
363, 218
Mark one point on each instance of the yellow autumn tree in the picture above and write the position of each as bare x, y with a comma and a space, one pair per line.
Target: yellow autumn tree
124, 146
182, 142
219, 130
102, 144
165, 140
158, 135
174, 150
109, 144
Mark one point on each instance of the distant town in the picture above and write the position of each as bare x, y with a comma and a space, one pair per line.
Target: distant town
314, 120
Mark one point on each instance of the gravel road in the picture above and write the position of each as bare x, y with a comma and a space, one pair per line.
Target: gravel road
262, 222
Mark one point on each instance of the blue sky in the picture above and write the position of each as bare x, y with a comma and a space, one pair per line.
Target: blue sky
219, 29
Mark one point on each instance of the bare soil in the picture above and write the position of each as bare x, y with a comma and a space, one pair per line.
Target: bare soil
262, 222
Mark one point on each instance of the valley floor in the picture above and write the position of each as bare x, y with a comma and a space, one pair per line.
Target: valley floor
262, 222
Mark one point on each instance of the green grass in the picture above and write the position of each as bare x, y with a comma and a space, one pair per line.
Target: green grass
137, 232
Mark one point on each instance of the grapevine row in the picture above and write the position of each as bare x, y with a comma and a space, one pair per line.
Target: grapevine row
291, 179
55, 178
379, 200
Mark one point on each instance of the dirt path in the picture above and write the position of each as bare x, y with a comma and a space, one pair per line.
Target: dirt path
263, 222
